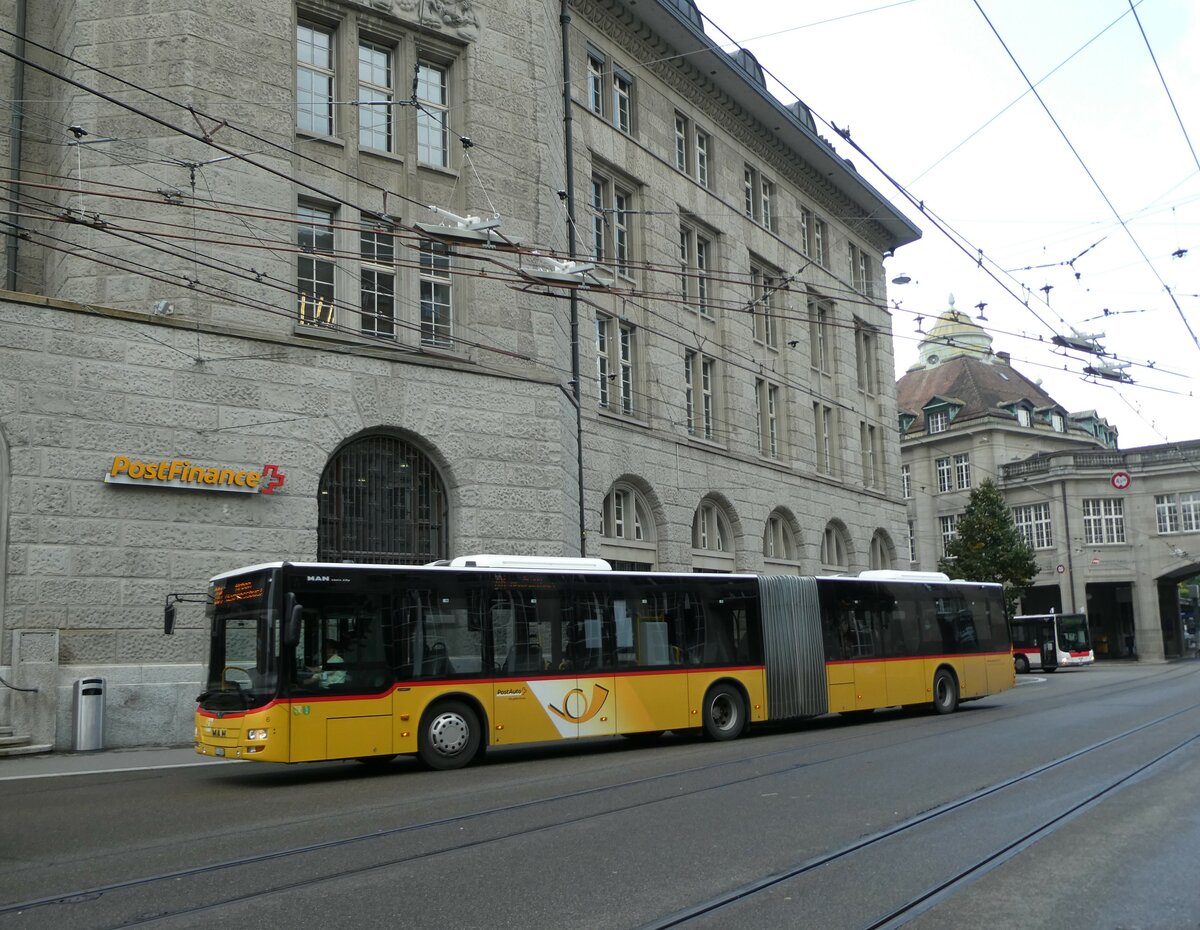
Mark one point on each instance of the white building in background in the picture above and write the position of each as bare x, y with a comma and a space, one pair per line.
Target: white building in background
1114, 531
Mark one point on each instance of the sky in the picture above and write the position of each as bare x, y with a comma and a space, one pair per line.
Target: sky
1084, 205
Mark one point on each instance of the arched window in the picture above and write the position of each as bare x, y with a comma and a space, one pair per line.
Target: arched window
712, 539
628, 540
881, 551
834, 549
381, 500
779, 540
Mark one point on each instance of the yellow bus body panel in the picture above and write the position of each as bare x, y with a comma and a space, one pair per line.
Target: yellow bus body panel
513, 712
895, 682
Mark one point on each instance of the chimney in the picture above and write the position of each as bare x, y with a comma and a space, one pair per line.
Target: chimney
1005, 358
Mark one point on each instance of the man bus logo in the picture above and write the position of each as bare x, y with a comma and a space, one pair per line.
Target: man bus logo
576, 708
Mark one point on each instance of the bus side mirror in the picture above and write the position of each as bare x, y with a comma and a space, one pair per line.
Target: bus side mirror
291, 621
169, 619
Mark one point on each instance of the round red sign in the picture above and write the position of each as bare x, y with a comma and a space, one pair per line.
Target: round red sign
1121, 480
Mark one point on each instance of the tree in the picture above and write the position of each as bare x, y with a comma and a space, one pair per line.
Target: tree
988, 547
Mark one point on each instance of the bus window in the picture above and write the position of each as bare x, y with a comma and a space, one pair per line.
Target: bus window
440, 629
340, 649
526, 631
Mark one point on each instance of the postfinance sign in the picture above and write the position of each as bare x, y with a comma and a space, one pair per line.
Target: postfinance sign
182, 473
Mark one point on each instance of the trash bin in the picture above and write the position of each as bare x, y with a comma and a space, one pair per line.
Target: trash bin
89, 714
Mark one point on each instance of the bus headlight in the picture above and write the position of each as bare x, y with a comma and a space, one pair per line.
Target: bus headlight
256, 734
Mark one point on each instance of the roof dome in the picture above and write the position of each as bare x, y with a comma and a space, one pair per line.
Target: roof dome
953, 335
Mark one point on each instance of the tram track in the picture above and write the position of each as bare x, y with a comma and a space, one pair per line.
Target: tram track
902, 913
97, 893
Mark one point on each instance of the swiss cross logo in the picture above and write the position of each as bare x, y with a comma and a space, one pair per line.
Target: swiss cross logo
274, 479
1121, 480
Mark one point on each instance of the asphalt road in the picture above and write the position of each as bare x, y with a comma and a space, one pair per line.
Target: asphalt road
1069, 802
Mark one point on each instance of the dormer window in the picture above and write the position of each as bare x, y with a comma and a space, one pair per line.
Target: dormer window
939, 422
1057, 423
1023, 416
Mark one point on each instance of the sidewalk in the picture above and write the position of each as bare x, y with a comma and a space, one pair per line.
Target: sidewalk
56, 764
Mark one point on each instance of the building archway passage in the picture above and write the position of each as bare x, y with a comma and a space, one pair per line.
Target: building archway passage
381, 500
1111, 620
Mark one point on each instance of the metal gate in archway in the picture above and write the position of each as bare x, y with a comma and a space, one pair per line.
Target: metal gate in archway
381, 500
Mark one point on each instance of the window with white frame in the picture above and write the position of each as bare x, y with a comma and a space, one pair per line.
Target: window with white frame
945, 474
625, 516
376, 69
912, 542
814, 237
758, 194
612, 215
703, 154
433, 114
683, 142
595, 82
1177, 513
906, 482
712, 539
962, 471
1033, 523
949, 525
866, 357
377, 280
764, 305
779, 540
880, 556
615, 363
820, 334
695, 256
870, 452
938, 421
315, 268
766, 400
437, 317
1023, 416
835, 553
825, 435
1103, 521
314, 79
699, 373
861, 277
1058, 423
622, 100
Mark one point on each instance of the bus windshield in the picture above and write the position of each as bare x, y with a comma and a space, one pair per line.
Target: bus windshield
1073, 633
242, 672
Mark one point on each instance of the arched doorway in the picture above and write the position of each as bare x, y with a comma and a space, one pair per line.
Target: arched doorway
381, 500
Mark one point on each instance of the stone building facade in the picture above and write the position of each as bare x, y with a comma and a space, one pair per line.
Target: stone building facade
1115, 532
294, 280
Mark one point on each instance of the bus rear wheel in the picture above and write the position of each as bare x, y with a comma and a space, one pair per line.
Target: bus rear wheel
1022, 665
945, 691
724, 713
450, 736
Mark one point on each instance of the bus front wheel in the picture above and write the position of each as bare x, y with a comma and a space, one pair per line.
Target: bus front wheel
450, 736
724, 713
945, 692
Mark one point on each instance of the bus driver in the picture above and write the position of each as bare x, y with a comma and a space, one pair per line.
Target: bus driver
331, 672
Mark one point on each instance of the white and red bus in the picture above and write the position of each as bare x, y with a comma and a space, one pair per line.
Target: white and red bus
1050, 641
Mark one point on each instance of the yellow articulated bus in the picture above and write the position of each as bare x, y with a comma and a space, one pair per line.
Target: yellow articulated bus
313, 661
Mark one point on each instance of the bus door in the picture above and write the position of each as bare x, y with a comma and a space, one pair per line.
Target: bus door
652, 691
588, 647
1049, 649
864, 647
553, 681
